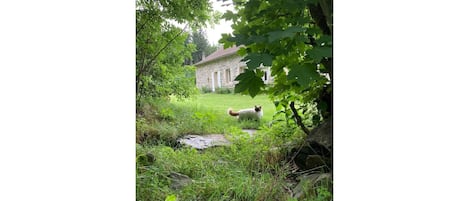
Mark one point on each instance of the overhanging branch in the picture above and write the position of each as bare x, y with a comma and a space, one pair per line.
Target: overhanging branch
150, 62
298, 119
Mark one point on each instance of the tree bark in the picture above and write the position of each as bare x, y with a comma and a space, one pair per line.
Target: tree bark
319, 18
298, 119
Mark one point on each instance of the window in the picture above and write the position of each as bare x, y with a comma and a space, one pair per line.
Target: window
228, 75
241, 69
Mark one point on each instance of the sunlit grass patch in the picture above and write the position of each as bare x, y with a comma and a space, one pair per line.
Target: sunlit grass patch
219, 103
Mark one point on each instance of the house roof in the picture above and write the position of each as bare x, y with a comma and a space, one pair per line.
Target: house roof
220, 53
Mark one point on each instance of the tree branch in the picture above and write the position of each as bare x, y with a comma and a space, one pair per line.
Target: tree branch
298, 119
326, 6
319, 18
142, 25
165, 46
147, 66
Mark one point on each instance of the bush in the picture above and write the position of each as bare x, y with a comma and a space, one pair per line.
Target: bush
205, 90
223, 90
219, 90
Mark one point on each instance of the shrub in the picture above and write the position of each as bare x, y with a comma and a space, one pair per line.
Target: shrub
205, 90
223, 90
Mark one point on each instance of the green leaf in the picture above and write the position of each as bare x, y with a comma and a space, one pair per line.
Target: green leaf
326, 39
314, 2
245, 75
316, 119
170, 198
317, 53
255, 87
229, 15
322, 106
303, 74
240, 87
293, 5
227, 40
287, 33
243, 79
255, 60
276, 103
248, 81
256, 39
313, 30
242, 51
267, 59
237, 39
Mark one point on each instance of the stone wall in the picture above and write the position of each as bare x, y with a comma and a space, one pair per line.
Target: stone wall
222, 72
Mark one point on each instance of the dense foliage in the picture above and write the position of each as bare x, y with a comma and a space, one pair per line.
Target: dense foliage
294, 37
161, 48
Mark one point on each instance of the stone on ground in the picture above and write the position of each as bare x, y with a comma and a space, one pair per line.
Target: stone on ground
204, 141
179, 180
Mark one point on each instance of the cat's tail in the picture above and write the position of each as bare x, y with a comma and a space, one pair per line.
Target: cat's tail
230, 112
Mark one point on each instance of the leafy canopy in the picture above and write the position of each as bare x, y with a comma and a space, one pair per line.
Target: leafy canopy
161, 33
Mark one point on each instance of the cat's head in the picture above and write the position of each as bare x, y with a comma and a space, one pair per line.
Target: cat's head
257, 108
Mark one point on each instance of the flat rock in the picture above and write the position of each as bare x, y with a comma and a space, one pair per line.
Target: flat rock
204, 141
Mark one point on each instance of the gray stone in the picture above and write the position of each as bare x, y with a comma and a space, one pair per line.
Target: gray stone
179, 180
204, 141
322, 134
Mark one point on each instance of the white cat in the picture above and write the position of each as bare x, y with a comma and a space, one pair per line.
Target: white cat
248, 114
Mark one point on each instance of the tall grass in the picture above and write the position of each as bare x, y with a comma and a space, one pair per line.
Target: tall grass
251, 168
165, 121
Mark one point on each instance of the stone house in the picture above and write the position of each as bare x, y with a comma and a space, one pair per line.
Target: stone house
219, 69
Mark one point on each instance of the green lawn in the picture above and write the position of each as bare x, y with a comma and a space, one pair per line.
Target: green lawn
221, 102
